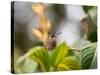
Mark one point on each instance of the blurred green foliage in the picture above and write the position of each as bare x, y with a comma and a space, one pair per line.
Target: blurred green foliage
87, 8
91, 12
62, 58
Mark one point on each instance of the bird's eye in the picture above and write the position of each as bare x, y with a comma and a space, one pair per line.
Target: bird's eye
52, 35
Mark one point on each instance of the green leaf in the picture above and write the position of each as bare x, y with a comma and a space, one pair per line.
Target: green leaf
59, 53
69, 63
27, 66
24, 60
94, 62
87, 55
41, 56
87, 8
93, 15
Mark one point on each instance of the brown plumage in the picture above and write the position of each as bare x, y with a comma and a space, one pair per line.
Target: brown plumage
50, 43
